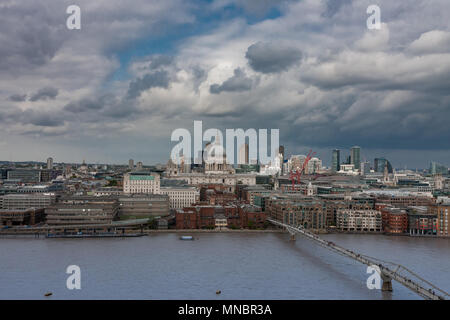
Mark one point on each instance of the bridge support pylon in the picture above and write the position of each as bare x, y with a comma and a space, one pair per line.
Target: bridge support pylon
387, 283
292, 237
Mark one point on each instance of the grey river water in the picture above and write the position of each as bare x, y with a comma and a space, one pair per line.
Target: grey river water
242, 266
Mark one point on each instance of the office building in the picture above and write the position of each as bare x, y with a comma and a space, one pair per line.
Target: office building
359, 220
131, 164
26, 201
50, 163
441, 210
355, 157
181, 196
437, 168
336, 160
380, 163
15, 217
141, 182
78, 210
138, 206
25, 175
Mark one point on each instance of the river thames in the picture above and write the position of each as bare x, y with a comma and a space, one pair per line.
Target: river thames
241, 265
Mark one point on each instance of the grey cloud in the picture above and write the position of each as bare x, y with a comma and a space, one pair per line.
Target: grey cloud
333, 6
102, 109
156, 79
435, 41
199, 76
272, 57
33, 35
89, 104
41, 118
18, 97
237, 83
44, 94
160, 61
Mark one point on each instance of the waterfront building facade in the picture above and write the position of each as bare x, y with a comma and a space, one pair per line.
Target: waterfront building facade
26, 201
359, 220
82, 210
15, 217
181, 196
441, 210
136, 206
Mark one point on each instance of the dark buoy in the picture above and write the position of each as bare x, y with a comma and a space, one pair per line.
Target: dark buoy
218, 292
48, 294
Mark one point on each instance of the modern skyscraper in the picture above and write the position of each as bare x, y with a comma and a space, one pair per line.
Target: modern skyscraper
131, 164
437, 168
336, 160
50, 163
355, 157
380, 163
139, 166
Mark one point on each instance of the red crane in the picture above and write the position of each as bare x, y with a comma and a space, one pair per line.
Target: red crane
298, 174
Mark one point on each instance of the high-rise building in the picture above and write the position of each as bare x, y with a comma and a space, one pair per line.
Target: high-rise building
281, 150
131, 164
139, 166
243, 154
380, 163
437, 168
314, 166
336, 160
50, 163
365, 167
355, 157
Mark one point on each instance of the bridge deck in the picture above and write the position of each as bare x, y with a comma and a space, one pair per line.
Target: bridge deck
411, 281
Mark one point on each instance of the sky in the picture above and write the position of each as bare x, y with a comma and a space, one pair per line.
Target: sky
139, 69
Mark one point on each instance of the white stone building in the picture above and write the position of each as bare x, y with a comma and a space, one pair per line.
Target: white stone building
182, 196
138, 182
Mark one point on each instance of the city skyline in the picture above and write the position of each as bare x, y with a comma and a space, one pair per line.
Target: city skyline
305, 67
325, 155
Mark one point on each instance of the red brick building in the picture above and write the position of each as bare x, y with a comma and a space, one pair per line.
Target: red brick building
394, 220
205, 216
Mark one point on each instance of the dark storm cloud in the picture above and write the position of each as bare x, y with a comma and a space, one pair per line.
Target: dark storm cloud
269, 57
157, 79
33, 35
44, 94
237, 83
18, 97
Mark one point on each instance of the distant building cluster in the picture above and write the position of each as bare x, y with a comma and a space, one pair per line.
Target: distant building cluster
350, 196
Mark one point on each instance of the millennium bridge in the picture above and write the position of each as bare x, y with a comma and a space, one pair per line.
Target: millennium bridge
388, 271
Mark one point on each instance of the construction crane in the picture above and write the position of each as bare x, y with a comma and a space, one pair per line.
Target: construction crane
296, 175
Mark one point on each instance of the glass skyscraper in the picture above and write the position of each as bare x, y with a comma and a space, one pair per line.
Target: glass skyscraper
380, 163
355, 157
336, 160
